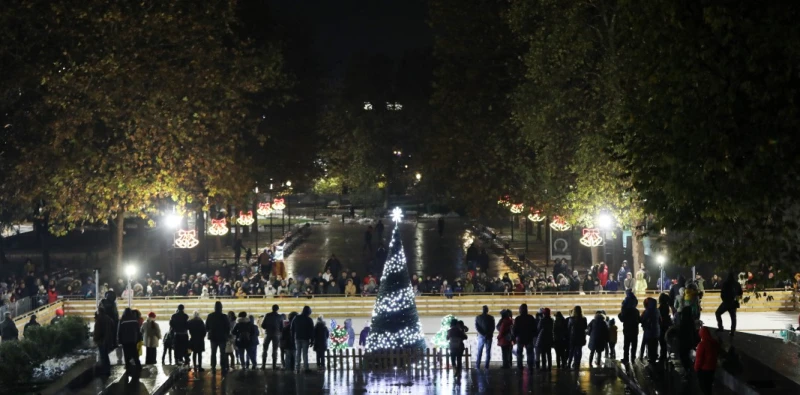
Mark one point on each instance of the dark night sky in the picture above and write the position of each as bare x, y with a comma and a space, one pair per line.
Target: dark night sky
338, 29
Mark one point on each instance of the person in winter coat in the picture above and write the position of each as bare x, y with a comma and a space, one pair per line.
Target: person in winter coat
218, 327
287, 344
687, 338
665, 322
730, 293
151, 333
611, 285
303, 332
598, 337
8, 329
522, 332
252, 349
456, 336
544, 340
484, 325
52, 295
504, 337
272, 326
705, 361
32, 323
629, 316
602, 274
362, 337
576, 326
179, 326
612, 339
197, 340
321, 335
59, 316
560, 340
243, 333
627, 282
674, 292
104, 337
351, 333
651, 326
128, 335
109, 303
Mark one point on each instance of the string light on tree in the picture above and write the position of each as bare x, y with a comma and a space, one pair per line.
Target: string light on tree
218, 227
559, 224
395, 322
186, 239
278, 204
245, 218
591, 237
264, 209
536, 216
517, 208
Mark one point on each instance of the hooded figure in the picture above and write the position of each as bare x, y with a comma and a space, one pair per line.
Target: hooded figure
544, 339
321, 336
651, 325
218, 326
598, 336
522, 331
362, 337
705, 362
351, 333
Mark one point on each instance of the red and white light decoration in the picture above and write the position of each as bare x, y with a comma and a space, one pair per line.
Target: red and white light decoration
535, 216
218, 227
264, 209
504, 201
278, 204
517, 208
186, 239
245, 218
591, 237
559, 224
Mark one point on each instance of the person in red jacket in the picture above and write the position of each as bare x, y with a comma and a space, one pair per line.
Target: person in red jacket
504, 337
705, 362
52, 295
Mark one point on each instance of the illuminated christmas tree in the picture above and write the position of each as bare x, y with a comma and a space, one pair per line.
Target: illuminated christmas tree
338, 336
395, 322
440, 338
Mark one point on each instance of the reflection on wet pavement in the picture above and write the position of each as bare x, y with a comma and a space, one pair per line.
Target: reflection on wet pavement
492, 381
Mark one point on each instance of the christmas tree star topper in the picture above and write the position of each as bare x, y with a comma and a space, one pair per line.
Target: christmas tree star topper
397, 215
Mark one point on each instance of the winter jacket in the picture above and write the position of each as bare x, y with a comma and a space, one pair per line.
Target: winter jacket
197, 333
218, 326
484, 325
242, 326
630, 321
707, 352
576, 326
598, 333
545, 337
456, 337
560, 333
179, 323
303, 326
104, 332
612, 334
611, 286
287, 340
524, 325
52, 297
128, 331
272, 324
362, 337
730, 291
351, 334
674, 290
151, 332
504, 328
8, 330
321, 335
650, 320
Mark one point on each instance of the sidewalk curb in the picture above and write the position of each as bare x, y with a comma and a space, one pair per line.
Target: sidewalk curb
631, 383
167, 384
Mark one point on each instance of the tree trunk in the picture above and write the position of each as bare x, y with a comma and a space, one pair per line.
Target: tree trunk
142, 239
118, 230
43, 237
200, 225
596, 258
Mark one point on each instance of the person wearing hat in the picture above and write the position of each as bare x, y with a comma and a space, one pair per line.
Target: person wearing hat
32, 323
179, 325
59, 316
151, 332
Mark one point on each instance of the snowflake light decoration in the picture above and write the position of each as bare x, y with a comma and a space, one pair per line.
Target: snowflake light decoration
218, 227
591, 237
186, 239
245, 218
517, 208
264, 209
559, 224
397, 215
536, 216
278, 204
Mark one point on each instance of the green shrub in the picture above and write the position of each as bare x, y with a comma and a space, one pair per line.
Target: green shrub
18, 358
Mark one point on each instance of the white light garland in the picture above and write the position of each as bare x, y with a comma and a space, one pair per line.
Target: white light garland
559, 224
186, 239
394, 301
264, 209
397, 215
536, 216
591, 237
278, 204
218, 227
517, 208
245, 218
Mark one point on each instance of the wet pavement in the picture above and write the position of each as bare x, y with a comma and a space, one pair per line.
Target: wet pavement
492, 381
426, 252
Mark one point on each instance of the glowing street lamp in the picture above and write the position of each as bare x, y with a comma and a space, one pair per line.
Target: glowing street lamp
418, 176
289, 184
605, 221
661, 260
173, 221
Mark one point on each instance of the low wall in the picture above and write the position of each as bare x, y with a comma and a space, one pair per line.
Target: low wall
426, 305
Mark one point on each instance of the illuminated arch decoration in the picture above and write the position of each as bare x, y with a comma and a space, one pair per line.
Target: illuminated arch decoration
264, 209
559, 224
591, 237
186, 239
245, 218
504, 201
278, 204
218, 227
536, 216
517, 208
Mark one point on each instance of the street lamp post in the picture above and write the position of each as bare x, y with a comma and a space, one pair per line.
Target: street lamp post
661, 259
130, 271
